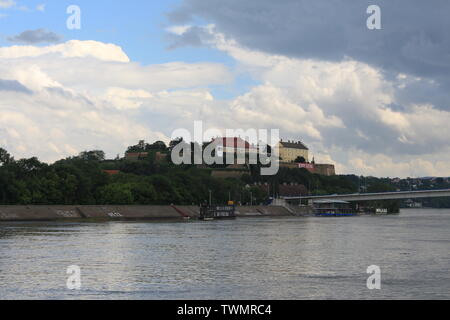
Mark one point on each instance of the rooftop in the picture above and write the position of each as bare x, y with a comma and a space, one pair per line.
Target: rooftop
293, 145
234, 143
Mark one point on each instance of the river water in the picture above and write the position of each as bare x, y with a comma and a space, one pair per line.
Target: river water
249, 258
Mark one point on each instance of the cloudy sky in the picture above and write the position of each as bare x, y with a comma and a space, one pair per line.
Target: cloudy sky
374, 102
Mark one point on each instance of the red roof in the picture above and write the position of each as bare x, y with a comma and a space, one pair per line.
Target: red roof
234, 143
111, 172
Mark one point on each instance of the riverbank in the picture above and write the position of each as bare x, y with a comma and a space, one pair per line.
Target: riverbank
51, 213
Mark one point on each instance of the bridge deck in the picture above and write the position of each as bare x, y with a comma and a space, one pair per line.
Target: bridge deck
378, 196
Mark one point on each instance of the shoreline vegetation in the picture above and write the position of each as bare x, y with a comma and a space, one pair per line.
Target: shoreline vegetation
154, 180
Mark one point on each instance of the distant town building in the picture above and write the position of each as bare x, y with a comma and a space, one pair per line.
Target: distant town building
290, 151
292, 190
283, 190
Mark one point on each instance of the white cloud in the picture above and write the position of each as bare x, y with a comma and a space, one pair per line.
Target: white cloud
267, 106
383, 166
41, 7
178, 30
123, 99
70, 49
5, 4
87, 94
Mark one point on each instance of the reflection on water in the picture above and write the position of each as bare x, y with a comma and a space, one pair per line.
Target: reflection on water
289, 258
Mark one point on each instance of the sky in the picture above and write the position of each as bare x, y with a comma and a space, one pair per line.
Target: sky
371, 101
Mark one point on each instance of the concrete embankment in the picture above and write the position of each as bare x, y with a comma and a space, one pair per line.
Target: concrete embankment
50, 213
42, 213
36, 213
262, 211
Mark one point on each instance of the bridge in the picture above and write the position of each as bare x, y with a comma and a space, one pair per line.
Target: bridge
377, 196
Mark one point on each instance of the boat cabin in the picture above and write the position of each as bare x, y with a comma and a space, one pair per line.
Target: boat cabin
217, 212
333, 208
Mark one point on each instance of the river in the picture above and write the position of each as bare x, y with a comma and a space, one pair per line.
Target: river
248, 258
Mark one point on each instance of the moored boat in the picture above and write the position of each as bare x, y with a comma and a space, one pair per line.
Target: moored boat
208, 213
333, 208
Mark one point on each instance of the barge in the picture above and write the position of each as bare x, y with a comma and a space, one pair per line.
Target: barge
208, 213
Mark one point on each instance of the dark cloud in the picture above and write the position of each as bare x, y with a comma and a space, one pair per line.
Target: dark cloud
13, 85
414, 37
194, 36
35, 37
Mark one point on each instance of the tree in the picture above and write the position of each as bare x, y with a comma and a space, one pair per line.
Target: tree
116, 193
300, 160
158, 145
96, 155
29, 166
140, 147
174, 143
144, 192
5, 157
